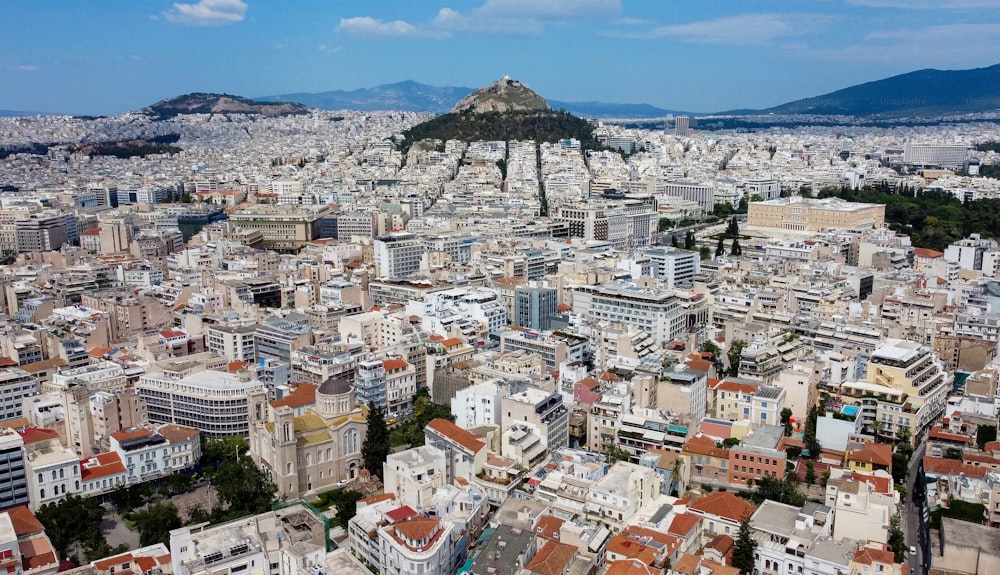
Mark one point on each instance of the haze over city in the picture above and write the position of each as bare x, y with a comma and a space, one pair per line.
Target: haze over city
64, 56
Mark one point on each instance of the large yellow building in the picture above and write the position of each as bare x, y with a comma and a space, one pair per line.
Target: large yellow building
283, 227
813, 215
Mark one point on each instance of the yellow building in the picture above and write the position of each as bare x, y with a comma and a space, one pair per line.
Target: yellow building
812, 215
283, 227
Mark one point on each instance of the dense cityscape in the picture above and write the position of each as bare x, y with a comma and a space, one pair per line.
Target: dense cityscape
241, 337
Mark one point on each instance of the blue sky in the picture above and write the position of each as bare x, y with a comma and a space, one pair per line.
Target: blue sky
108, 56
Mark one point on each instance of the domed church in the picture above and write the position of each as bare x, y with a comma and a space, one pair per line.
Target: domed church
309, 440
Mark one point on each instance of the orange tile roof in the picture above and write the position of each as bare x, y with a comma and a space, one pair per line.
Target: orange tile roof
394, 364
719, 568
636, 531
704, 445
727, 385
549, 526
36, 552
938, 433
723, 504
721, 543
24, 521
37, 434
235, 366
456, 434
632, 549
944, 466
927, 253
131, 434
451, 342
99, 351
175, 434
377, 498
688, 564
304, 394
683, 524
874, 453
552, 558
628, 567
868, 556
417, 528
108, 563
101, 465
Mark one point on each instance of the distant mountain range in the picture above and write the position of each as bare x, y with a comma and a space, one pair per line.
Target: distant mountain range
924, 92
413, 96
15, 113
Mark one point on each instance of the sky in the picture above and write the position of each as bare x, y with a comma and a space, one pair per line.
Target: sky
111, 56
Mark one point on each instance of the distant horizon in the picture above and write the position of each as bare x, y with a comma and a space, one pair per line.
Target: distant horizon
697, 56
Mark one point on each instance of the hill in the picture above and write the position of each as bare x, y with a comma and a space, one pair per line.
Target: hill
504, 95
408, 96
923, 92
15, 113
538, 125
201, 103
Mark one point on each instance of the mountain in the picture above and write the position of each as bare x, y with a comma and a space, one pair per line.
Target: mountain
914, 93
408, 96
505, 110
201, 103
15, 113
504, 95
609, 110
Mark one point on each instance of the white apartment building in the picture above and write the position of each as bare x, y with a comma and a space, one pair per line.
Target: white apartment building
543, 411
213, 402
149, 454
657, 312
477, 404
794, 540
418, 546
232, 343
414, 475
397, 255
15, 385
52, 470
676, 267
703, 194
615, 498
859, 510
13, 479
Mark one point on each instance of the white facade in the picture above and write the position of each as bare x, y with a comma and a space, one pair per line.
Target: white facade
477, 405
52, 472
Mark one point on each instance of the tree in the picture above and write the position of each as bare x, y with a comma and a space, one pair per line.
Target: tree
985, 434
735, 248
375, 448
704, 253
953, 453
743, 550
825, 479
154, 524
782, 490
689, 240
897, 540
720, 248
673, 241
73, 520
733, 356
733, 229
614, 454
345, 501
786, 420
809, 435
664, 224
243, 489
810, 472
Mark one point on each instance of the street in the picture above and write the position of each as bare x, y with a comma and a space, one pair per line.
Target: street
914, 525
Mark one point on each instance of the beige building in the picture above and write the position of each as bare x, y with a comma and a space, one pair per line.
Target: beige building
811, 215
283, 227
313, 451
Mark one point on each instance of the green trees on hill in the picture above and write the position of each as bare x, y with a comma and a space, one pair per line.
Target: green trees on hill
932, 218
541, 126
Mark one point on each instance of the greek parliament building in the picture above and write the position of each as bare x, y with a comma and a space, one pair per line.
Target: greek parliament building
813, 215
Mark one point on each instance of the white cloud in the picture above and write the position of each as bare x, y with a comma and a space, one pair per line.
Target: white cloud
207, 13
28, 68
501, 17
954, 46
926, 4
368, 26
741, 30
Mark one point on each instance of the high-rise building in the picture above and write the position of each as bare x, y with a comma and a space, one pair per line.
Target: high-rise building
397, 255
13, 480
676, 267
42, 232
657, 312
534, 307
943, 155
682, 126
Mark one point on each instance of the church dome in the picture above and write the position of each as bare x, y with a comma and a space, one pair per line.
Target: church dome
334, 386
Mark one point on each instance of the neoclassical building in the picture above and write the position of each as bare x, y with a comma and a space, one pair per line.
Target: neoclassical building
308, 445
